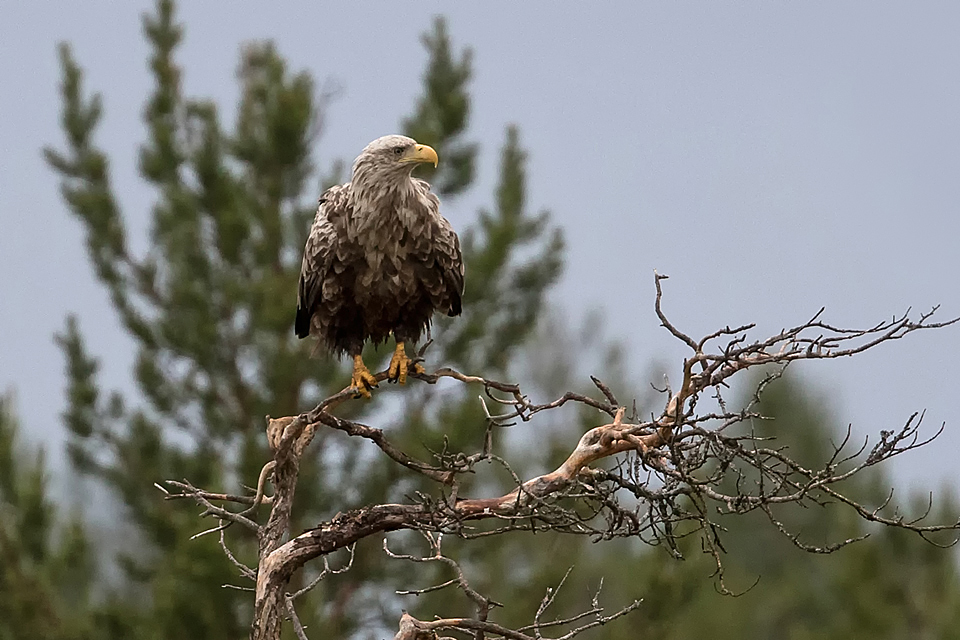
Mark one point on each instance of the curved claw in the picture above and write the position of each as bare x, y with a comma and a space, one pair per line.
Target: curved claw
400, 365
362, 380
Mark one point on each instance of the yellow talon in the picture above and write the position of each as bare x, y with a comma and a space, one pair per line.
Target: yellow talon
400, 365
363, 381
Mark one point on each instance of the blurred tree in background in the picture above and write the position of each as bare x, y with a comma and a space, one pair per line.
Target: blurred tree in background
210, 307
892, 585
46, 564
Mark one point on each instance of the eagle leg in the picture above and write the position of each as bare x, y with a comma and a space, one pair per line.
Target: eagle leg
363, 381
400, 365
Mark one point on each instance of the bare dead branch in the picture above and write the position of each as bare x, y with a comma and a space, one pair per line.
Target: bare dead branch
411, 628
297, 627
224, 497
548, 599
482, 604
187, 490
605, 390
327, 570
245, 571
667, 479
377, 437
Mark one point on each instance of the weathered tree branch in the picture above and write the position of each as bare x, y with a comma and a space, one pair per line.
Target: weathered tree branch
666, 472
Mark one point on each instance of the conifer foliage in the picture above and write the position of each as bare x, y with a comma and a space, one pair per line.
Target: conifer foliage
209, 304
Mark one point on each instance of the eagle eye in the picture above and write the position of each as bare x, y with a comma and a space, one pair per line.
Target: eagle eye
397, 150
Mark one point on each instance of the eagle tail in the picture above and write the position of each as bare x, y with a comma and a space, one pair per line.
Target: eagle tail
302, 324
455, 307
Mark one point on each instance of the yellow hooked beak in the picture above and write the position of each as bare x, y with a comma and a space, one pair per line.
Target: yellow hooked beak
420, 153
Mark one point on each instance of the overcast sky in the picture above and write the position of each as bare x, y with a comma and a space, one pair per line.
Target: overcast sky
771, 158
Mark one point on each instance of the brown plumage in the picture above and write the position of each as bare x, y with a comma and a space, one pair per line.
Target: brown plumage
380, 259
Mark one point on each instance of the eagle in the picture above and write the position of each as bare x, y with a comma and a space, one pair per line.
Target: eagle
379, 260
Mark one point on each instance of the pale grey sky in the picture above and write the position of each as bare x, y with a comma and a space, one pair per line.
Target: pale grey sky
771, 158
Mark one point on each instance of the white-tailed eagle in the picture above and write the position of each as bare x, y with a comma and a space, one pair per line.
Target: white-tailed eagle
380, 259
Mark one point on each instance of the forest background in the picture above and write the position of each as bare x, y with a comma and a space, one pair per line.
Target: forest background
769, 162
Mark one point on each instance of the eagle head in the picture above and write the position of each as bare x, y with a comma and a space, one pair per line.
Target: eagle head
392, 158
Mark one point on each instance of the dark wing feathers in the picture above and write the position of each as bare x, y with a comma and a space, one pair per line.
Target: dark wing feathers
318, 258
336, 275
444, 247
450, 261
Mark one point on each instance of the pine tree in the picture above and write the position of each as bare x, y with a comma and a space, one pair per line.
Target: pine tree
209, 306
46, 567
